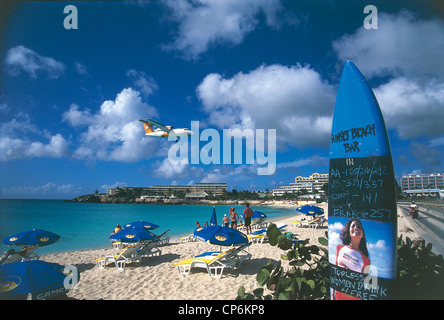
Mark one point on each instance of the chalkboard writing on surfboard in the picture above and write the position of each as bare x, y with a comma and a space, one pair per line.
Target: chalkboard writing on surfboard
361, 203
361, 188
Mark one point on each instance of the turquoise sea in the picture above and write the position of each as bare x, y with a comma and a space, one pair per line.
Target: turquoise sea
84, 226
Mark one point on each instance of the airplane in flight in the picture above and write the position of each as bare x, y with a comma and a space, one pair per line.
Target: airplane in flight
163, 131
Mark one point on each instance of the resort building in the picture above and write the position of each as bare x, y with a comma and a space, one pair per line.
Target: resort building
216, 188
198, 190
312, 184
423, 184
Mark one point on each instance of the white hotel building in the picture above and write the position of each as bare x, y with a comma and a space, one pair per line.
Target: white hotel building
419, 184
312, 184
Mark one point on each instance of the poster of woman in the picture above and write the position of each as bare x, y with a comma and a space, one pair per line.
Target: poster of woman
361, 252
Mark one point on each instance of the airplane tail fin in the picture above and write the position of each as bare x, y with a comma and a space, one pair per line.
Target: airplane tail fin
147, 126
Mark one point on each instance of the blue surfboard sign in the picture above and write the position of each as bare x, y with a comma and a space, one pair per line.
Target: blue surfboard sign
362, 211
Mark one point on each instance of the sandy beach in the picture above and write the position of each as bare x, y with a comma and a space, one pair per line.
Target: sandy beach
156, 278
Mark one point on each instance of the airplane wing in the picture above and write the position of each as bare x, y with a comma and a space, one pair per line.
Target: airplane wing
160, 126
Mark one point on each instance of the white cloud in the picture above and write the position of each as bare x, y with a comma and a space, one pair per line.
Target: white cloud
178, 171
114, 132
166, 169
401, 46
380, 244
408, 51
294, 100
17, 148
58, 147
142, 81
15, 141
437, 142
81, 69
204, 23
47, 190
119, 184
76, 117
21, 58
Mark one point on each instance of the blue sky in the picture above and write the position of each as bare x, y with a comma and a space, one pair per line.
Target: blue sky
70, 98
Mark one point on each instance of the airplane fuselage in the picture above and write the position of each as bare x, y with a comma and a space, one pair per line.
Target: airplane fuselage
174, 132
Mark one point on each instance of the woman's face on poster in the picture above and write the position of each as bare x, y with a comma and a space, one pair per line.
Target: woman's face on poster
356, 230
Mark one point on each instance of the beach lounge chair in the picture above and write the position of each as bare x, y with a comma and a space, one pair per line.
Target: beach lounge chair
25, 254
163, 238
258, 236
128, 254
214, 265
119, 245
149, 249
311, 224
188, 238
239, 254
314, 223
259, 223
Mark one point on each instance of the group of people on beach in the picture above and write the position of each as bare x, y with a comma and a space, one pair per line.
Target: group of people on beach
233, 219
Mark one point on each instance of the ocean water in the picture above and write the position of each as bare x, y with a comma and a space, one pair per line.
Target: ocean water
84, 226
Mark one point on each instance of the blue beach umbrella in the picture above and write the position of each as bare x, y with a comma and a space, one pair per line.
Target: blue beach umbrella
221, 235
310, 210
132, 235
39, 278
258, 215
141, 225
35, 237
213, 220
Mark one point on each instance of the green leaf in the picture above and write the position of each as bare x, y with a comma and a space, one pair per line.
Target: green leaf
311, 283
262, 276
323, 241
258, 292
299, 283
284, 296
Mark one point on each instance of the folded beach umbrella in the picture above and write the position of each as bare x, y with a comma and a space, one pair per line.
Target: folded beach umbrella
220, 235
39, 278
132, 235
35, 237
213, 220
310, 210
141, 225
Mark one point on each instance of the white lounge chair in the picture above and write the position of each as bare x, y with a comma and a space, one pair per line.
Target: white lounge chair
239, 254
188, 238
311, 223
128, 254
214, 265
259, 223
257, 238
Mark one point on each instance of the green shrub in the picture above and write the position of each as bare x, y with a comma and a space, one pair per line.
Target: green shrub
420, 271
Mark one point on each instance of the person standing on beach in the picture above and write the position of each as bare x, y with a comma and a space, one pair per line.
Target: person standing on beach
247, 214
234, 218
226, 220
